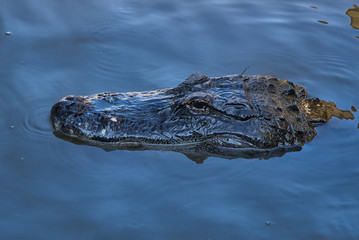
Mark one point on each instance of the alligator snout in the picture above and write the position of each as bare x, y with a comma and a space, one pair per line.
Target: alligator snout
68, 110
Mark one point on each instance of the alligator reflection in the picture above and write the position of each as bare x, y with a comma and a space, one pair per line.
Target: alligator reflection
196, 152
233, 116
353, 13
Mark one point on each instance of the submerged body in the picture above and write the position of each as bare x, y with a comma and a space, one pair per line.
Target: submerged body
223, 114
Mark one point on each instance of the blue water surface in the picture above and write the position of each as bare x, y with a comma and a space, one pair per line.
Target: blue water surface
53, 189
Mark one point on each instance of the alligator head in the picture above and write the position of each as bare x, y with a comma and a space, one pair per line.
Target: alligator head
230, 116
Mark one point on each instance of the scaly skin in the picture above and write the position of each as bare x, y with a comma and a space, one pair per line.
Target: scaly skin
230, 112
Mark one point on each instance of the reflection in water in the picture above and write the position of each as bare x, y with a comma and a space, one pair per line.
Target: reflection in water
197, 152
353, 13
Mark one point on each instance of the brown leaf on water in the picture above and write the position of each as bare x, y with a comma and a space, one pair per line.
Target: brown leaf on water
353, 13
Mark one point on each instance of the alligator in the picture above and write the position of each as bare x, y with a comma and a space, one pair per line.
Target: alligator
234, 116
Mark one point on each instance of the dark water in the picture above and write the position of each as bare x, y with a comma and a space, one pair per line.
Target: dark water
53, 189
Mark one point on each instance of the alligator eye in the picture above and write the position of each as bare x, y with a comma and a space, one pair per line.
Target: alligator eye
198, 105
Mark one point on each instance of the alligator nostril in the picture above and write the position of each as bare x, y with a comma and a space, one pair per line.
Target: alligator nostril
73, 99
69, 98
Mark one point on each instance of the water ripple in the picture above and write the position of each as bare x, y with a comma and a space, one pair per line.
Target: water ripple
33, 123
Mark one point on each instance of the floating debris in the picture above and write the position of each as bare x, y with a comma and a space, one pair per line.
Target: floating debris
314, 7
353, 13
353, 108
12, 127
356, 36
268, 223
324, 22
8, 33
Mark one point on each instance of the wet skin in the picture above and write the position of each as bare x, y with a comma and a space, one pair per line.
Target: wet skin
225, 116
